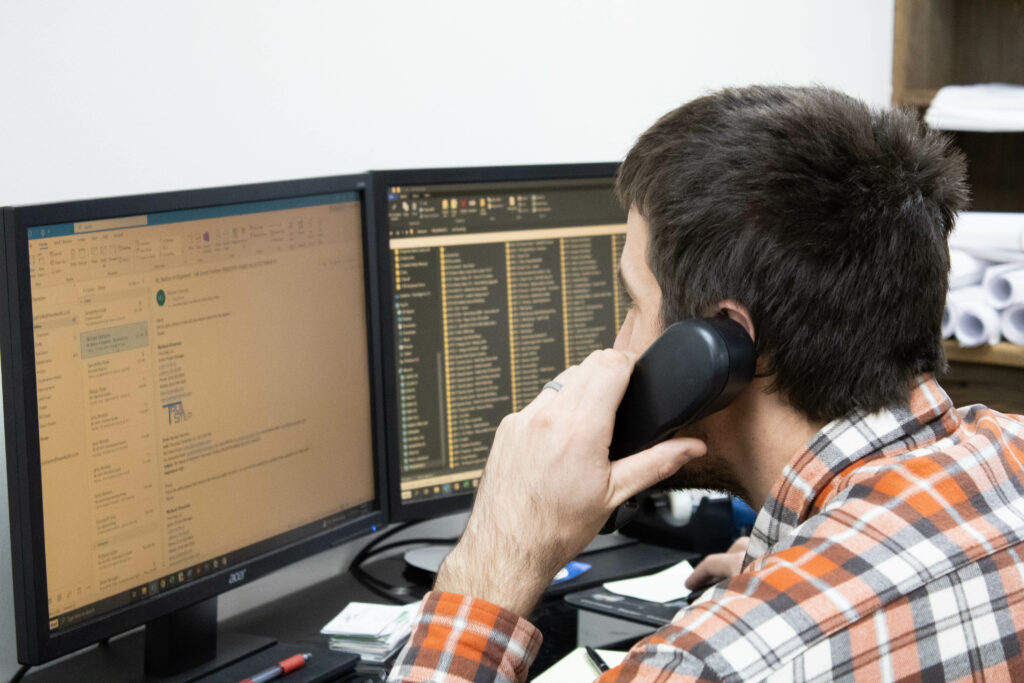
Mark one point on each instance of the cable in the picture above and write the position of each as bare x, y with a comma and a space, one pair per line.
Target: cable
377, 546
379, 587
451, 540
21, 673
367, 550
373, 584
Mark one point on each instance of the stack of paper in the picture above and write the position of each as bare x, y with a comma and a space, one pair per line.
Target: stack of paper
991, 235
986, 107
372, 631
664, 586
576, 666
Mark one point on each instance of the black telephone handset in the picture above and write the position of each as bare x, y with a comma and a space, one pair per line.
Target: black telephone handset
695, 368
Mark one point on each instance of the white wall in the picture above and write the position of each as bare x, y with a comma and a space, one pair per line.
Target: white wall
115, 97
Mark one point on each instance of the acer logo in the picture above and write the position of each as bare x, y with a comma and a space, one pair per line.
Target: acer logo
236, 577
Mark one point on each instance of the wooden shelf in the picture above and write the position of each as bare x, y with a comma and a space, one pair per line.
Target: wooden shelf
1005, 354
962, 42
918, 97
955, 42
991, 375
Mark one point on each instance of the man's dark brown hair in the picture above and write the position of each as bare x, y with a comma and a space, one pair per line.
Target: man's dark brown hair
827, 219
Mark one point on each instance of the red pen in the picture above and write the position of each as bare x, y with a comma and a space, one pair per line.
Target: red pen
285, 666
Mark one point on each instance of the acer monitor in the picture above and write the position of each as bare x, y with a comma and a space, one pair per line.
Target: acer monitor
496, 279
191, 400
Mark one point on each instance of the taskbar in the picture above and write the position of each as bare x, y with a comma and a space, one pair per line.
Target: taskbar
440, 489
200, 569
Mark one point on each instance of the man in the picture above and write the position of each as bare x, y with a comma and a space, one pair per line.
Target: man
891, 525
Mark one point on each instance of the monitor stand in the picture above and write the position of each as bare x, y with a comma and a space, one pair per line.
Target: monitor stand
176, 648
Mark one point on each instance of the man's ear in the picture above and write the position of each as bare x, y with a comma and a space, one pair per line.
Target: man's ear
738, 312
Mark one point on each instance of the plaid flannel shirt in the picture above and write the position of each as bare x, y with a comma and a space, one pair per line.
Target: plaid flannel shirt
890, 548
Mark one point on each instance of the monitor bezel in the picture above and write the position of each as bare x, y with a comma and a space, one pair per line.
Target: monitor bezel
35, 644
417, 510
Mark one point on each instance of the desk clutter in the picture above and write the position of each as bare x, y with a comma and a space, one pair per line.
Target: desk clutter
653, 599
577, 666
667, 585
319, 665
985, 303
373, 631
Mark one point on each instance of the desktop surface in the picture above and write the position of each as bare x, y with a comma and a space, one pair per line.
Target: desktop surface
299, 617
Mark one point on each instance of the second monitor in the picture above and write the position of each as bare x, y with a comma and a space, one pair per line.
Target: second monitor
500, 278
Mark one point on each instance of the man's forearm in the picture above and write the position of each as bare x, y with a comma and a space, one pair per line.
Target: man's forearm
506, 576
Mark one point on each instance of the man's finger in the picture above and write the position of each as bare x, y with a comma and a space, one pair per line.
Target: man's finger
631, 475
714, 568
594, 387
546, 396
739, 545
603, 376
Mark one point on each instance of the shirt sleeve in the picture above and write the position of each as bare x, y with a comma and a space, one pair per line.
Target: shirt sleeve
457, 638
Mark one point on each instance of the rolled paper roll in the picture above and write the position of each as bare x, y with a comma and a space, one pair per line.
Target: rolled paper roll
948, 323
964, 269
1012, 323
1004, 285
977, 323
954, 299
993, 229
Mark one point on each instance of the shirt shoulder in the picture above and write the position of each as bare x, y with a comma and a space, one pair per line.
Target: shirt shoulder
891, 526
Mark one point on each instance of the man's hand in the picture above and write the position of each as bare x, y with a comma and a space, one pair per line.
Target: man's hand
548, 486
714, 568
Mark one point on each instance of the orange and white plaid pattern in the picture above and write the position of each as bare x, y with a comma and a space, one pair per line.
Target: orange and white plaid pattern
890, 549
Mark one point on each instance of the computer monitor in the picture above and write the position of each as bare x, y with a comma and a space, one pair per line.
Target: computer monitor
191, 400
499, 279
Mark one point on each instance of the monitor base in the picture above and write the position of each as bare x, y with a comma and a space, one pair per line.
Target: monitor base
121, 659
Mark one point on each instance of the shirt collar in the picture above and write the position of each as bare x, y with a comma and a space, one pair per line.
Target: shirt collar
926, 416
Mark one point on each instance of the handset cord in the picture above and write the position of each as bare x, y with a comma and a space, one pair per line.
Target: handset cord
377, 546
368, 550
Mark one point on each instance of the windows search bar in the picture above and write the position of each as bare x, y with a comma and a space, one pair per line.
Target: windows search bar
112, 224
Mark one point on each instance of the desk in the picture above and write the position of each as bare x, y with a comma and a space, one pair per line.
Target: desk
298, 617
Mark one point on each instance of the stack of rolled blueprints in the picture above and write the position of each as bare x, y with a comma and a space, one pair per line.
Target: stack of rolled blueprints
986, 280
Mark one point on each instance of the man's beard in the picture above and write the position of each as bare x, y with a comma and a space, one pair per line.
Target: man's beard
710, 471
